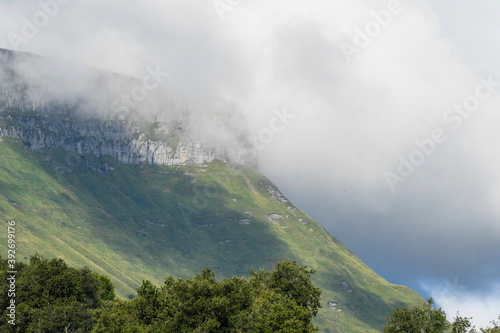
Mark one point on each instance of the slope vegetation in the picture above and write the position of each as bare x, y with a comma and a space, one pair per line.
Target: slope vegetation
135, 222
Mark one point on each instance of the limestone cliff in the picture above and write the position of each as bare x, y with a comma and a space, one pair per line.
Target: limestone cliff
165, 144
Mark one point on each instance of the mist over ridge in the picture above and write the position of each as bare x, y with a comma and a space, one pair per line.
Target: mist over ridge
53, 88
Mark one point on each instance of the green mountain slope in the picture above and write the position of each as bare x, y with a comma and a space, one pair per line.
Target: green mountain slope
131, 217
134, 222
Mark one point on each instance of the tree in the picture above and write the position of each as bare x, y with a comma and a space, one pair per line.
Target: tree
201, 303
462, 325
283, 300
53, 297
420, 319
426, 319
493, 329
107, 287
274, 312
118, 317
293, 281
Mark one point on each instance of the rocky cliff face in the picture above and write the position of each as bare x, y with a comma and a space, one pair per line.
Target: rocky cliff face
166, 144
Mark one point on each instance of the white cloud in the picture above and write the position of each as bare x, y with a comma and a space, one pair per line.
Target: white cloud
452, 297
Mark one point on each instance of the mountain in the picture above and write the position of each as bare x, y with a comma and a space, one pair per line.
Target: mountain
158, 188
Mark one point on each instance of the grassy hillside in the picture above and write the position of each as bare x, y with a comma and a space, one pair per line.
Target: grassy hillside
134, 222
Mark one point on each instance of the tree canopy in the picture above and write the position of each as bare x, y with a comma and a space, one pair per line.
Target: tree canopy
283, 300
50, 296
426, 319
53, 297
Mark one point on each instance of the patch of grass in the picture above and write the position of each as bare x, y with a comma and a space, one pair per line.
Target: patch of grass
146, 222
153, 131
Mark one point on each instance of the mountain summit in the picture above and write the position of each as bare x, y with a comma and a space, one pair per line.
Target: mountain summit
155, 187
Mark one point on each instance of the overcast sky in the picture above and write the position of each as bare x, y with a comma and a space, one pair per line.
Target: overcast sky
392, 139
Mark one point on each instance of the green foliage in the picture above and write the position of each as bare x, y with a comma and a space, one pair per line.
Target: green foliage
495, 328
293, 281
50, 296
152, 130
263, 303
62, 316
426, 319
420, 319
108, 289
274, 312
118, 317
127, 224
462, 325
53, 297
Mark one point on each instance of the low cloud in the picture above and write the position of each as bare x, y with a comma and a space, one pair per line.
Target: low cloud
455, 298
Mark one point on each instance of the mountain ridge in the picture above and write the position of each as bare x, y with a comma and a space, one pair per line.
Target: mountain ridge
144, 220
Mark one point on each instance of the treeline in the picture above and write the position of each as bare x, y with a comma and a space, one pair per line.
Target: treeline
51, 297
426, 319
48, 296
